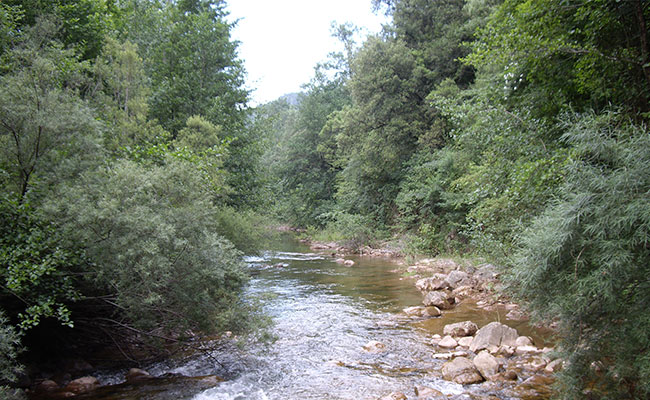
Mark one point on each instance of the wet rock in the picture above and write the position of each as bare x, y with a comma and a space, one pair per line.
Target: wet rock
465, 341
523, 341
419, 311
136, 375
436, 282
436, 338
486, 364
448, 342
46, 386
415, 311
438, 299
374, 346
461, 370
394, 396
458, 278
340, 261
495, 334
431, 311
460, 329
348, 263
82, 385
425, 393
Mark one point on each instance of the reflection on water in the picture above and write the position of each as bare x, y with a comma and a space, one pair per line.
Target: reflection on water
324, 314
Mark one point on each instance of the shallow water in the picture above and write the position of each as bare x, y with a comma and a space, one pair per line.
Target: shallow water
324, 313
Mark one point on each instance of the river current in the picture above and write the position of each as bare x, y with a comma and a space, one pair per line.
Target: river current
324, 314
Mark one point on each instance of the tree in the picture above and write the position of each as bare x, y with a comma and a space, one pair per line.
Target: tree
41, 115
84, 23
194, 69
587, 54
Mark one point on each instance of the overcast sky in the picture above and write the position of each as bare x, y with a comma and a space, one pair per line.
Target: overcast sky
282, 40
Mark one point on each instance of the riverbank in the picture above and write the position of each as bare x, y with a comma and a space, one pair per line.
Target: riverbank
497, 354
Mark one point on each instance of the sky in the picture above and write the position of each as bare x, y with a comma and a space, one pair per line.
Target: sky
283, 40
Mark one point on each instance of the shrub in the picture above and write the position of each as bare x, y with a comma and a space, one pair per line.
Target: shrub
586, 259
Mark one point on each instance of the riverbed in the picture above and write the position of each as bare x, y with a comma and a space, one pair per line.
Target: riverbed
324, 314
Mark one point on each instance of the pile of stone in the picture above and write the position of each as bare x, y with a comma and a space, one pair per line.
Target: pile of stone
496, 352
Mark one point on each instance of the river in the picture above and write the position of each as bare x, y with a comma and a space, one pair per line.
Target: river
324, 313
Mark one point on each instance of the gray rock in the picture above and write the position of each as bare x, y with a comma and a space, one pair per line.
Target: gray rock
82, 385
465, 341
448, 342
486, 364
494, 334
436, 282
523, 341
460, 329
487, 272
458, 278
438, 299
461, 370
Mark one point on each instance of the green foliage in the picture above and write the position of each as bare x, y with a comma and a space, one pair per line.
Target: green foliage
352, 230
150, 232
194, 69
586, 53
42, 120
10, 348
84, 23
586, 259
36, 270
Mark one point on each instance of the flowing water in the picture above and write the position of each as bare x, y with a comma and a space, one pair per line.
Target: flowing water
323, 313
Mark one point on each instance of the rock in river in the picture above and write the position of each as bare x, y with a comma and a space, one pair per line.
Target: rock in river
461, 370
486, 364
82, 385
438, 299
460, 329
494, 334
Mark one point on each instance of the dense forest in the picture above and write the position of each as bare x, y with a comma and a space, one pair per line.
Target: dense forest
129, 167
511, 130
135, 174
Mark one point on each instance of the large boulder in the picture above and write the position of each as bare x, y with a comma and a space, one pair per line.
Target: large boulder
458, 278
438, 299
486, 364
460, 329
494, 334
419, 311
82, 385
461, 370
436, 282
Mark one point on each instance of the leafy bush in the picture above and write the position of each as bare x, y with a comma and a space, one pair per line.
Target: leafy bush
352, 230
586, 260
151, 234
9, 350
36, 268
